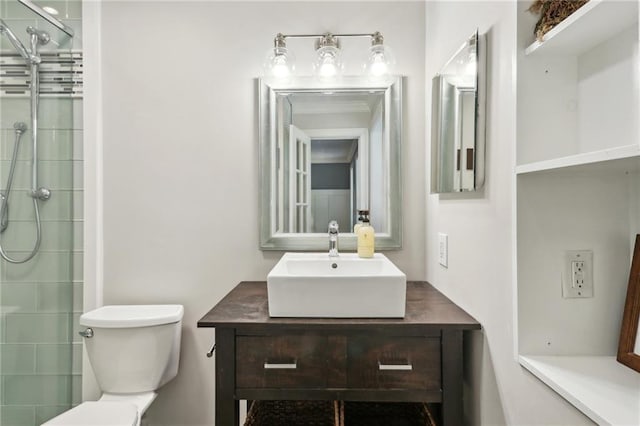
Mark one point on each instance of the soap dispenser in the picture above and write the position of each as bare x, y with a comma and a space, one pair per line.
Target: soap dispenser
366, 237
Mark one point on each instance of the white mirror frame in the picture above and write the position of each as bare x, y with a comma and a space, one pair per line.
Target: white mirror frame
267, 91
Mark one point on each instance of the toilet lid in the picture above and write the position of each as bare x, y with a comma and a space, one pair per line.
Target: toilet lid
98, 413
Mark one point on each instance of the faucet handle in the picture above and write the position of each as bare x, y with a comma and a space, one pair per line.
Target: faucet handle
333, 227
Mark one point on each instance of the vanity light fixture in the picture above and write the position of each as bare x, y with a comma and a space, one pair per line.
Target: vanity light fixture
328, 64
380, 61
280, 62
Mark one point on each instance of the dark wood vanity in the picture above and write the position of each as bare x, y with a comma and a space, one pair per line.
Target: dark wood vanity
417, 358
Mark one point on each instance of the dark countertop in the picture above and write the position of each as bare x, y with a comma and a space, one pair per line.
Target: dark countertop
246, 307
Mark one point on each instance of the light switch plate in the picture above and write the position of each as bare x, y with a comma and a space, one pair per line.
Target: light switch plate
443, 249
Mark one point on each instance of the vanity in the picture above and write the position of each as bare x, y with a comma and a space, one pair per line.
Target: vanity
418, 358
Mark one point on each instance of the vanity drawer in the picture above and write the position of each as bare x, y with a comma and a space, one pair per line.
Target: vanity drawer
293, 361
394, 362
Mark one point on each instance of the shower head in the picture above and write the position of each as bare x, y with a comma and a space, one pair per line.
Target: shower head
19, 127
4, 29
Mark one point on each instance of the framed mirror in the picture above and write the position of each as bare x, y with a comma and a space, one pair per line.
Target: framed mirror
327, 151
458, 120
629, 343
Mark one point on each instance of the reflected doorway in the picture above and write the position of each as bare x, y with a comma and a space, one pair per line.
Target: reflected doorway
333, 182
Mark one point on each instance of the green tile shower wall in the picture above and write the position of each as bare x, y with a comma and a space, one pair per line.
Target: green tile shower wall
55, 113
54, 145
17, 415
40, 353
58, 208
38, 390
69, 11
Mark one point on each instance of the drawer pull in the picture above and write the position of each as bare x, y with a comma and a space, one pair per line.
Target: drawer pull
396, 367
280, 366
211, 351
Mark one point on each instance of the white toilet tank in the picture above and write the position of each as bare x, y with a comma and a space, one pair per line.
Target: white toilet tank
134, 348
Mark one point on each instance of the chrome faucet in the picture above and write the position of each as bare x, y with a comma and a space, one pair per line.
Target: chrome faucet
333, 239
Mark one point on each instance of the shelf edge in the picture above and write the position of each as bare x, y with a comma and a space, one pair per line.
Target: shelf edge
560, 372
566, 23
611, 154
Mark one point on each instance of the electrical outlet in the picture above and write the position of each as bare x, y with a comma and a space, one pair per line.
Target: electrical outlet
577, 280
577, 273
443, 249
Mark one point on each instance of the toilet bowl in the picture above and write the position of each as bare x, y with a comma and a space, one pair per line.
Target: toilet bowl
133, 351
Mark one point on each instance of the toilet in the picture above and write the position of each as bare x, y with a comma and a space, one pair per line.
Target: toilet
133, 351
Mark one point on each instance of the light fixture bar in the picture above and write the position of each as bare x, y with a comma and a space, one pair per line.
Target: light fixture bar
286, 36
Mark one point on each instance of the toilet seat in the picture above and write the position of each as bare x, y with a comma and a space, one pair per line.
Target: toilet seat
98, 413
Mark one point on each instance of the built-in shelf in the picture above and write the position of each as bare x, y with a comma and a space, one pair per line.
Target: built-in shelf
576, 172
587, 27
624, 157
599, 386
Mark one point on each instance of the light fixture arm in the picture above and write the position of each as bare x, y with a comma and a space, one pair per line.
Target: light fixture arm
327, 39
279, 41
376, 39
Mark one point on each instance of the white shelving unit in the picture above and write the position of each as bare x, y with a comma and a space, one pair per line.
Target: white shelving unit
587, 27
577, 178
605, 390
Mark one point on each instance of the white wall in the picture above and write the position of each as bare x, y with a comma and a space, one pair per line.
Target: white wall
181, 154
331, 121
480, 277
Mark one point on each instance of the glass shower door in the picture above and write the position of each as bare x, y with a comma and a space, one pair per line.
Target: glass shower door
40, 299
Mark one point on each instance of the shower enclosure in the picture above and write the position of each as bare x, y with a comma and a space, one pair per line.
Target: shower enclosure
40, 210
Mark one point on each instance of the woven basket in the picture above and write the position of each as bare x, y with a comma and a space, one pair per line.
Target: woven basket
294, 413
552, 12
386, 414
338, 413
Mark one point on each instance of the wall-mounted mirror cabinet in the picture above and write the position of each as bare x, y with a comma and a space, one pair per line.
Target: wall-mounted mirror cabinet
457, 120
326, 151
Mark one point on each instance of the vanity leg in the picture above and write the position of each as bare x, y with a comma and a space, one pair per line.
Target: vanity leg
452, 405
227, 408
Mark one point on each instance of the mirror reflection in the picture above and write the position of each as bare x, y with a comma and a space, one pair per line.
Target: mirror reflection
457, 122
330, 155
327, 152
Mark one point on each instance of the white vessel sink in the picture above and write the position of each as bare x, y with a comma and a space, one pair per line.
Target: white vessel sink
316, 285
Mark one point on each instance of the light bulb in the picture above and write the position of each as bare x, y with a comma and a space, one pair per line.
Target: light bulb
380, 62
328, 64
328, 68
280, 63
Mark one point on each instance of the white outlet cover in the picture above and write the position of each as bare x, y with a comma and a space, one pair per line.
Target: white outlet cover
569, 289
443, 249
